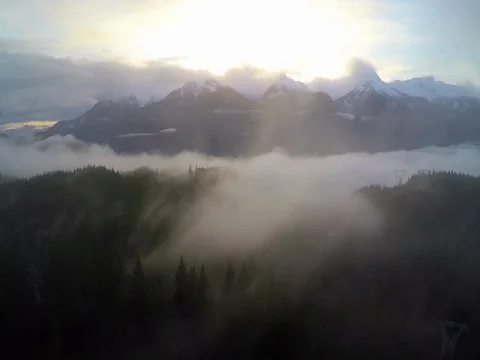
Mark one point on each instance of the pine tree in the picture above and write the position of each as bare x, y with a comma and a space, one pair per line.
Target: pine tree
139, 282
229, 280
203, 290
193, 282
180, 297
193, 291
192, 276
142, 307
190, 172
244, 278
139, 288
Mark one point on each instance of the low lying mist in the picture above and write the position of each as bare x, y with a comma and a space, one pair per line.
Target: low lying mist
346, 171
283, 241
257, 197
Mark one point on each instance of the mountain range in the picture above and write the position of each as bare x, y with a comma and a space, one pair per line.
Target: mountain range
356, 113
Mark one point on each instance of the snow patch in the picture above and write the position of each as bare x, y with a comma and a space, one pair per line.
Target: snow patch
129, 101
129, 135
135, 135
361, 94
346, 115
286, 85
429, 88
290, 85
383, 88
194, 88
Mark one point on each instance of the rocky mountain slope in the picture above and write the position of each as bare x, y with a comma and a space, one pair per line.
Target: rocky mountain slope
213, 118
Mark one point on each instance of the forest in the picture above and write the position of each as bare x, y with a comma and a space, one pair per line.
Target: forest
89, 269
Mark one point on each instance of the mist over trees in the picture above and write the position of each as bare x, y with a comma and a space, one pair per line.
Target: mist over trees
91, 267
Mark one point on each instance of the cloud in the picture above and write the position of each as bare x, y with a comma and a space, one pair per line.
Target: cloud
151, 29
257, 197
350, 171
392, 71
388, 32
35, 86
361, 67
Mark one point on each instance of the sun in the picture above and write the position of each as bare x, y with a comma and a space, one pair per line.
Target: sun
312, 38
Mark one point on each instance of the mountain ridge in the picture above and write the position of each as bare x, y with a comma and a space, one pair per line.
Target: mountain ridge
213, 118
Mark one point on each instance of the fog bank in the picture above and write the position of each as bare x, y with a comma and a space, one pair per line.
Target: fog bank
350, 170
267, 195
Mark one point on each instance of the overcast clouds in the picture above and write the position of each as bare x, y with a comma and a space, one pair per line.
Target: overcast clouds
41, 87
350, 170
406, 37
57, 57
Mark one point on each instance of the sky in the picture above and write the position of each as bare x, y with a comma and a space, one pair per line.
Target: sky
65, 48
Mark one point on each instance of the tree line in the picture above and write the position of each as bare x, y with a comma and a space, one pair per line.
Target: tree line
84, 274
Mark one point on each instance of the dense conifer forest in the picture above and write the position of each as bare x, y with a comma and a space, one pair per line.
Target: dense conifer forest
87, 271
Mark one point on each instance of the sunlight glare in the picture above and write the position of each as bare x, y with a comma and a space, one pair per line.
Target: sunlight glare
313, 37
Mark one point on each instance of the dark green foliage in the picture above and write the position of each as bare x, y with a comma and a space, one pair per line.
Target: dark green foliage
244, 278
139, 284
181, 296
194, 289
193, 280
191, 290
229, 280
141, 305
73, 283
204, 293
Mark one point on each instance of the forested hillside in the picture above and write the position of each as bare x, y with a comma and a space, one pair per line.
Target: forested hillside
87, 270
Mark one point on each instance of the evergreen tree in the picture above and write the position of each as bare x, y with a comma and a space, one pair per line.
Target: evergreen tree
204, 288
180, 297
139, 283
193, 283
141, 307
193, 291
193, 279
156, 292
244, 278
229, 280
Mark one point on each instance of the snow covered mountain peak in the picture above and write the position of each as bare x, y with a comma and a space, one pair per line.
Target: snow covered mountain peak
128, 102
286, 85
208, 85
429, 88
209, 92
359, 74
426, 79
371, 99
378, 87
192, 89
213, 85
290, 85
